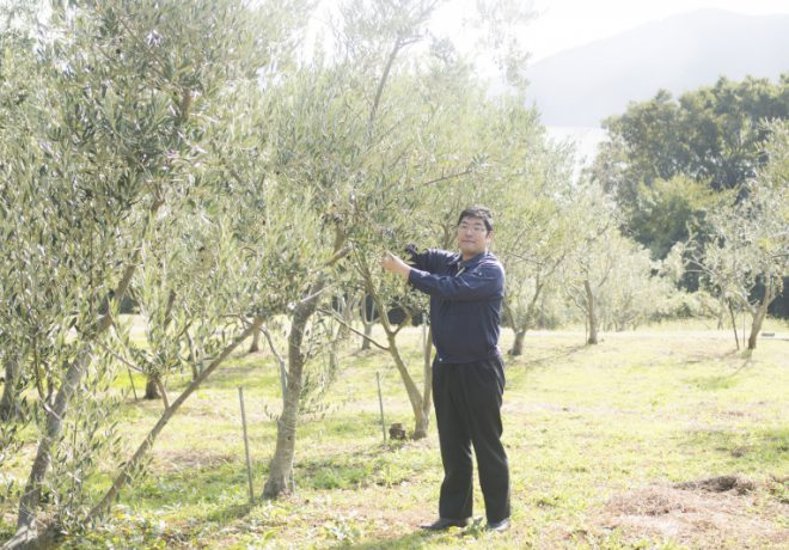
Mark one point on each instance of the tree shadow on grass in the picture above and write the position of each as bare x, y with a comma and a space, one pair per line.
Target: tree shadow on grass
378, 465
415, 539
713, 383
231, 512
720, 381
766, 447
696, 357
548, 360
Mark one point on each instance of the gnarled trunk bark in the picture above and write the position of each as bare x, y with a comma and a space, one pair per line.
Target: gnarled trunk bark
591, 313
8, 403
517, 344
280, 479
761, 313
152, 387
254, 347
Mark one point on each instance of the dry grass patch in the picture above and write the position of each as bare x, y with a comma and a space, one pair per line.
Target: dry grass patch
724, 512
167, 461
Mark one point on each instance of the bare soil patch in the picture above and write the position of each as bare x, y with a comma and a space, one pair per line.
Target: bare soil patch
723, 512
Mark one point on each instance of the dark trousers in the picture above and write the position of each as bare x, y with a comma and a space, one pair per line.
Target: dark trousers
467, 399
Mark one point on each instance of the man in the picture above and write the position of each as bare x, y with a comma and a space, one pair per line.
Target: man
466, 291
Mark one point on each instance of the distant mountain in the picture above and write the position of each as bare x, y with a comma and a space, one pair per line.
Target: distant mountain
582, 86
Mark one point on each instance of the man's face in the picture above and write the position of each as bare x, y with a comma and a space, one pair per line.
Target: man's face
473, 237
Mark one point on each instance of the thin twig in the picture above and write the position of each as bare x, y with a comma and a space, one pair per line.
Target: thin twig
123, 360
283, 373
349, 327
158, 381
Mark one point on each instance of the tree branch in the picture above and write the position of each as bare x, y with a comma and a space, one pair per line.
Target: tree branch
342, 321
133, 463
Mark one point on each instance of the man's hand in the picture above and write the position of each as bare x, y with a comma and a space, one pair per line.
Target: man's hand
394, 264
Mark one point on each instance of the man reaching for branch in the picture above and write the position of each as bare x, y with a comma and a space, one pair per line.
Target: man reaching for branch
466, 290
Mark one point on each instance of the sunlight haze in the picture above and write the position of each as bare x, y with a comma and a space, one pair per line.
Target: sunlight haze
564, 24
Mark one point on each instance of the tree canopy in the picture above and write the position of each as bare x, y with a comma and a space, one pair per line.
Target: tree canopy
713, 137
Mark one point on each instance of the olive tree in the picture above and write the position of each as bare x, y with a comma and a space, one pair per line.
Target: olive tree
609, 277
389, 199
346, 136
427, 140
593, 260
423, 180
312, 151
535, 232
747, 256
208, 287
117, 124
235, 253
640, 287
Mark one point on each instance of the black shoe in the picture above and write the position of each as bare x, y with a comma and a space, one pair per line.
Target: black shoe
498, 526
442, 524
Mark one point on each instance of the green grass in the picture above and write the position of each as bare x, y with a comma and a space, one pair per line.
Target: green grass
591, 432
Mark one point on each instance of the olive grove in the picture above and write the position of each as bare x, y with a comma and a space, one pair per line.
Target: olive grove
199, 159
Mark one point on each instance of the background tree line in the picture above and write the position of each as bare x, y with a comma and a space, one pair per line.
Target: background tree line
687, 174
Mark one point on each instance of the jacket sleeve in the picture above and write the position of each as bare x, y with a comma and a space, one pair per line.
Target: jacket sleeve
431, 260
485, 280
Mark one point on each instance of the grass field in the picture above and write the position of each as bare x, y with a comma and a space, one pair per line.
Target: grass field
661, 438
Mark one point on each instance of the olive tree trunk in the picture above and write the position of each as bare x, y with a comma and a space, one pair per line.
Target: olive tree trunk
280, 479
368, 320
591, 313
254, 347
761, 313
31, 497
152, 387
8, 403
517, 344
521, 329
420, 402
733, 317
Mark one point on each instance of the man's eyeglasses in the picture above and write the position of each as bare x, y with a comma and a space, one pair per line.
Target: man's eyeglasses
476, 228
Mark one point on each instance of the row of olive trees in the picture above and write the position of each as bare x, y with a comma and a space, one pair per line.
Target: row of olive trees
157, 149
107, 147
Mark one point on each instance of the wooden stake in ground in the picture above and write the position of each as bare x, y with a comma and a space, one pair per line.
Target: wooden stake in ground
131, 379
381, 405
246, 444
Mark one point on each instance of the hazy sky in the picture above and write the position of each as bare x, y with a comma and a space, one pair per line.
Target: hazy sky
563, 24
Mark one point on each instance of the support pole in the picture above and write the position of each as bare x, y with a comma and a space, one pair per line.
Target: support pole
246, 445
131, 379
381, 405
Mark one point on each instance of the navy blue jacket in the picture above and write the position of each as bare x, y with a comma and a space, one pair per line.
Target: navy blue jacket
465, 303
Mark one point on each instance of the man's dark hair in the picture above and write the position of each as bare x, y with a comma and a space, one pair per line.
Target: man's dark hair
478, 211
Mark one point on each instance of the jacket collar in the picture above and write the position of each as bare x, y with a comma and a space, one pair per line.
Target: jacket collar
457, 259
